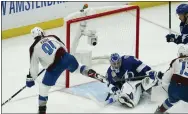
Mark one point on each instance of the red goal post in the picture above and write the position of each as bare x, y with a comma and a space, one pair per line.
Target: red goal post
124, 9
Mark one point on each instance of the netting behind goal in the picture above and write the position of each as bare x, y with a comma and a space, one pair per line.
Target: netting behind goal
117, 29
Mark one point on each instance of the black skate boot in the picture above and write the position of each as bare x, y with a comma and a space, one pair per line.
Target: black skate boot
42, 110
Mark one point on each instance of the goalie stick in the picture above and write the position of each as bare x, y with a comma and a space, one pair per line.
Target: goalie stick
102, 78
20, 90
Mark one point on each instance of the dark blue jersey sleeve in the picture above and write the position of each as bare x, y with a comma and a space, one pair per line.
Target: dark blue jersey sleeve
135, 65
183, 38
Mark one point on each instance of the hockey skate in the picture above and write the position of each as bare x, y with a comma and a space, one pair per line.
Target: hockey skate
42, 110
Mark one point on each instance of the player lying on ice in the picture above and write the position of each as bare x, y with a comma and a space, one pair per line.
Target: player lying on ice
182, 11
123, 68
177, 78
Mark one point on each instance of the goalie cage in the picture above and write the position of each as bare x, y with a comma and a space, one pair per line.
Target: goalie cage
111, 18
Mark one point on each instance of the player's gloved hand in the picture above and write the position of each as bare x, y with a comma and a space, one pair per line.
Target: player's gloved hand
29, 81
174, 38
170, 37
112, 97
110, 100
160, 75
92, 73
152, 74
155, 75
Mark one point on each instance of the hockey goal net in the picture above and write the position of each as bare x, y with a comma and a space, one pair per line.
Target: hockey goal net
117, 29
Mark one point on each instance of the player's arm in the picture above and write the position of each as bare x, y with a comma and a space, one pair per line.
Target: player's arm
33, 70
174, 38
179, 39
140, 67
34, 67
184, 33
145, 70
185, 38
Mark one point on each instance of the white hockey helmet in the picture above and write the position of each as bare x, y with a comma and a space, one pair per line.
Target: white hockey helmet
37, 31
183, 50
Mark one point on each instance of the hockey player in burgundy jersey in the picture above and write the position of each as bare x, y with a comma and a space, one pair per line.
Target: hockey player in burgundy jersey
51, 52
182, 11
177, 78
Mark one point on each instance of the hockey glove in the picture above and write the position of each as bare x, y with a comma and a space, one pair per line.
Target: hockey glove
160, 75
29, 81
170, 37
112, 97
92, 73
95, 75
110, 100
174, 38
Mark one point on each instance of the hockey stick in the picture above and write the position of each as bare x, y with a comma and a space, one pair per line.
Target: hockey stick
20, 90
102, 78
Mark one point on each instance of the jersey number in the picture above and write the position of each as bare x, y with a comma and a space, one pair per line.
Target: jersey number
182, 71
48, 47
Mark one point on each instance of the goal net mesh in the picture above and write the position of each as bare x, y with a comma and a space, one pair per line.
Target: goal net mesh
117, 29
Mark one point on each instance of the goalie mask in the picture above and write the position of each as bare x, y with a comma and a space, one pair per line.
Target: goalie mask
115, 62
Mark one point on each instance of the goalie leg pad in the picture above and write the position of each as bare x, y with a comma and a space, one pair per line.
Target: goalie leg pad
130, 94
125, 101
